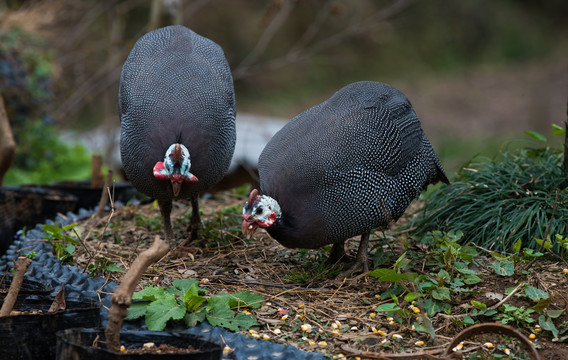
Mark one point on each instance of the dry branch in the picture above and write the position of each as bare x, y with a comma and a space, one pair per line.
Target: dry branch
21, 266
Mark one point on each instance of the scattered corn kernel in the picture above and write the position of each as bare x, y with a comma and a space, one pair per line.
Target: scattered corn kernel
458, 347
256, 336
148, 345
374, 329
416, 310
277, 331
322, 343
372, 315
565, 271
204, 281
251, 331
378, 297
266, 337
419, 343
122, 348
312, 343
488, 345
537, 328
335, 332
532, 336
382, 333
306, 327
555, 340
391, 322
284, 317
390, 319
413, 328
227, 349
155, 279
507, 351
300, 306
354, 328
357, 358
246, 312
397, 336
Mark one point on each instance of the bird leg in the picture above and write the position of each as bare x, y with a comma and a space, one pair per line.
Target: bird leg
336, 254
122, 296
360, 264
166, 210
195, 225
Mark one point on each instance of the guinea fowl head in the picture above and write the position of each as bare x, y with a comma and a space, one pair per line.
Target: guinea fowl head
175, 168
259, 211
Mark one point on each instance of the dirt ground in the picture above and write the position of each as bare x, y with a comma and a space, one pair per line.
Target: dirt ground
297, 292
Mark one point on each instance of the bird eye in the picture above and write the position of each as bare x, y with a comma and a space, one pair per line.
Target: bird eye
258, 211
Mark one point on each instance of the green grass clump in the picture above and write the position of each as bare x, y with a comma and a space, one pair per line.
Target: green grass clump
497, 201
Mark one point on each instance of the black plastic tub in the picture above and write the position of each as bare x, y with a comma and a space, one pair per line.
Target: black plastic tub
32, 336
78, 344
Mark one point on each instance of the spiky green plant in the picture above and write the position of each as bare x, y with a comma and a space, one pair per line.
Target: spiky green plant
497, 201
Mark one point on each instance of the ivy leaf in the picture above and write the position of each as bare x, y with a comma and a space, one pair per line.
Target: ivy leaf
504, 268
387, 307
159, 312
441, 293
245, 299
553, 314
136, 310
547, 324
432, 307
536, 294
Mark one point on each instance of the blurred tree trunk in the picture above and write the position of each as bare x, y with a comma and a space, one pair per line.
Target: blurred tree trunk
7, 143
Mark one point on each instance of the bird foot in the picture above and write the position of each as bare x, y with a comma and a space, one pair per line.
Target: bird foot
359, 265
184, 251
193, 230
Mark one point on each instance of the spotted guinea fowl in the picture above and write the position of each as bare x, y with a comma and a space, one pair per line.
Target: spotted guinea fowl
177, 111
342, 168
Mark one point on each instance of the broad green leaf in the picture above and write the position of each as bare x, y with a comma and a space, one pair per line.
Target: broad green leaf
411, 296
441, 293
546, 323
159, 312
471, 279
536, 136
223, 316
547, 244
191, 319
51, 228
468, 320
192, 299
536, 294
69, 227
490, 312
425, 326
432, 307
184, 284
151, 293
136, 310
504, 268
245, 299
387, 307
558, 130
554, 313
391, 275
114, 268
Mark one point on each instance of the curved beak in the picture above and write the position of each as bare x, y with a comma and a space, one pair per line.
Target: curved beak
249, 226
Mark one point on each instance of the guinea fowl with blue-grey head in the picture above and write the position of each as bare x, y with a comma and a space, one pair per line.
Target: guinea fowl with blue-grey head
342, 168
177, 111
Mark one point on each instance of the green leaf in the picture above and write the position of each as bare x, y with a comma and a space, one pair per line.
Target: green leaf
536, 136
222, 315
151, 293
245, 299
441, 293
517, 246
558, 130
184, 284
490, 312
547, 324
426, 326
387, 307
69, 227
159, 312
468, 320
191, 319
113, 268
547, 244
554, 313
536, 294
479, 305
191, 298
471, 279
411, 296
504, 268
136, 310
391, 275
432, 307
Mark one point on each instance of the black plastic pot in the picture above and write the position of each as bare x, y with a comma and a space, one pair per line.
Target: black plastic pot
32, 336
89, 196
29, 288
78, 344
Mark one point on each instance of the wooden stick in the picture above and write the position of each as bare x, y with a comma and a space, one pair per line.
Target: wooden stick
21, 266
122, 297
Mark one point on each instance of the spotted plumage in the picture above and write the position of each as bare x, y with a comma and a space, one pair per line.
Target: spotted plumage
177, 111
344, 167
